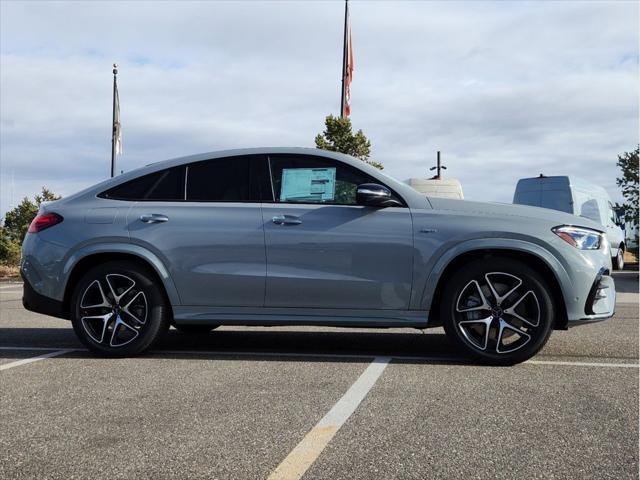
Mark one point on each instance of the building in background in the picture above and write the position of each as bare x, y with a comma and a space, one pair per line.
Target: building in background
437, 187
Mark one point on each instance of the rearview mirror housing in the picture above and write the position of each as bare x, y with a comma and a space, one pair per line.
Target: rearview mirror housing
375, 195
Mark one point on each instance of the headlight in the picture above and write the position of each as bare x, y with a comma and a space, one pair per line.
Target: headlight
581, 238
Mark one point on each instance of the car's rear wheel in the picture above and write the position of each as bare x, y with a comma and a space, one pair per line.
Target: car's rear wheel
497, 310
195, 329
118, 309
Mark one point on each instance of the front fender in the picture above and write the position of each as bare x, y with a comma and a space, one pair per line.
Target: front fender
446, 257
124, 248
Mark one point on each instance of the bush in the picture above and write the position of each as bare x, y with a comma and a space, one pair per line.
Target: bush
16, 223
9, 248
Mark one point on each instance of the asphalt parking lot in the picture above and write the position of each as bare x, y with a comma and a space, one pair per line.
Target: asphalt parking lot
325, 403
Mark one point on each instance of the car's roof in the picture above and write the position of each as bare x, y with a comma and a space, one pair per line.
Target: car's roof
409, 194
173, 162
250, 151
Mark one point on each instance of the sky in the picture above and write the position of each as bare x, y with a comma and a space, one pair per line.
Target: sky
505, 90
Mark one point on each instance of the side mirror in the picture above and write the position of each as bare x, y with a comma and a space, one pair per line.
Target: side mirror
374, 195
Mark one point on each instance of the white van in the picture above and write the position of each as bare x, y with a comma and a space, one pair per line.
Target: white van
579, 197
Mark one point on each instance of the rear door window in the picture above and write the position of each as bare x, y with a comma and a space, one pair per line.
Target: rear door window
165, 185
230, 179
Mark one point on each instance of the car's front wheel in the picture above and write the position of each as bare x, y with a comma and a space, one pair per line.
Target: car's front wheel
498, 310
118, 309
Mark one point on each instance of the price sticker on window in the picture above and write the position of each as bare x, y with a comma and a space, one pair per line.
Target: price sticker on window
308, 185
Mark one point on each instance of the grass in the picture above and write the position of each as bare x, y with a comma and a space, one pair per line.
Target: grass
9, 272
630, 257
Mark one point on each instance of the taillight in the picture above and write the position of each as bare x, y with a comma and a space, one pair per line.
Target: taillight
44, 220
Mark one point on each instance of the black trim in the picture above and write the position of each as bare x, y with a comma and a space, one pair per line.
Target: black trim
587, 321
588, 306
33, 301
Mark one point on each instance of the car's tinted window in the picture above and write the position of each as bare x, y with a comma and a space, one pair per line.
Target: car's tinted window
223, 180
309, 179
165, 185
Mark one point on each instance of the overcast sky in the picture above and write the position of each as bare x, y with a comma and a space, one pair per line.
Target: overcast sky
504, 89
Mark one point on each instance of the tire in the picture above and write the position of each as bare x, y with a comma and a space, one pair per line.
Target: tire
195, 329
618, 260
118, 310
512, 323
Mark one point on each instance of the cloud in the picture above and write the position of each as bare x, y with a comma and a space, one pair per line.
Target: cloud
505, 89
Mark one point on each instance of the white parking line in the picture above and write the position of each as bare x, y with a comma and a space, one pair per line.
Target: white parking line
583, 364
25, 361
452, 360
314, 442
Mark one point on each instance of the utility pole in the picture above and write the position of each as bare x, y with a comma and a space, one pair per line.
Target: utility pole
438, 167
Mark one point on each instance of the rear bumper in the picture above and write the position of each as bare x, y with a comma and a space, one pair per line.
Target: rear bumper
35, 302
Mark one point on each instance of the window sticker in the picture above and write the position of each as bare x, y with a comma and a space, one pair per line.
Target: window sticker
308, 184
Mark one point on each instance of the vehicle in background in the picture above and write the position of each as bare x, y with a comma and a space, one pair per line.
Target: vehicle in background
578, 197
437, 187
630, 228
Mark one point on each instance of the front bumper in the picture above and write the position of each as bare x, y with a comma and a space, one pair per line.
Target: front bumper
601, 301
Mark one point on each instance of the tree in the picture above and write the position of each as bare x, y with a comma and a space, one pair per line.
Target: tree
16, 221
9, 248
628, 163
338, 136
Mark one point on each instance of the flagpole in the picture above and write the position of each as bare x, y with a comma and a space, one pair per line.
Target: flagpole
113, 123
344, 58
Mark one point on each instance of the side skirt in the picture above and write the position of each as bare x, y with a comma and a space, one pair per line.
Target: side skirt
250, 316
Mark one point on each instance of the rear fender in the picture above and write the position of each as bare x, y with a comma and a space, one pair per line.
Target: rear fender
114, 248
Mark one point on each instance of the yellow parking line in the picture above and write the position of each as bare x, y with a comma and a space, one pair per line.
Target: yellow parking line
314, 442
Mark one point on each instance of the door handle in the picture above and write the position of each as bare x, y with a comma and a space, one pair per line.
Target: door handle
153, 218
286, 220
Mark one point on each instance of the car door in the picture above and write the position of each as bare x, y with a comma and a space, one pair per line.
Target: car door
211, 239
324, 250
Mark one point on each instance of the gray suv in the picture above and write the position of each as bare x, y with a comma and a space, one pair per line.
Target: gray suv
292, 236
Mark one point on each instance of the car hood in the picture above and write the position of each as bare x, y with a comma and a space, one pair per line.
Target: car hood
505, 209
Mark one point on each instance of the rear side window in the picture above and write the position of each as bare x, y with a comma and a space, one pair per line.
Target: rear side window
165, 185
557, 200
231, 179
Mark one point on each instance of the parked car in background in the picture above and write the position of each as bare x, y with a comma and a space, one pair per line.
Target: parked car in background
307, 237
578, 197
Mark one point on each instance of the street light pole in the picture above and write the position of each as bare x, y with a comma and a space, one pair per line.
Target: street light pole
113, 123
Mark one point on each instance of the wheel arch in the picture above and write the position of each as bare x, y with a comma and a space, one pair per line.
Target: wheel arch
548, 270
79, 264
